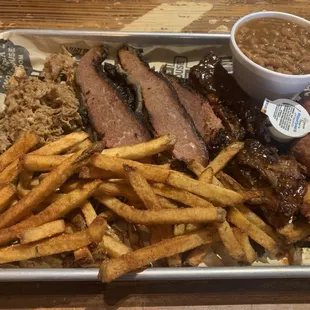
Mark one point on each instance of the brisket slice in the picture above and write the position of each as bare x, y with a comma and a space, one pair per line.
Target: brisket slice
166, 113
111, 117
130, 91
206, 122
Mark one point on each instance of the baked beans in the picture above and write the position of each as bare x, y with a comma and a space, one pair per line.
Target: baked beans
276, 44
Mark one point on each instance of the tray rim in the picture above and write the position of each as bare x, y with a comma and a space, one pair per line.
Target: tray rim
158, 274
150, 274
127, 36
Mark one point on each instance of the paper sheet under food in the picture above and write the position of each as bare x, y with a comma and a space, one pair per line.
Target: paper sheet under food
30, 51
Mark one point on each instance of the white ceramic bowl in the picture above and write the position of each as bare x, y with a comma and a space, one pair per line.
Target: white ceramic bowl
257, 81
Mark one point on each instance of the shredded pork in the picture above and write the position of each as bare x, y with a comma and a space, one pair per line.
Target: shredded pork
44, 107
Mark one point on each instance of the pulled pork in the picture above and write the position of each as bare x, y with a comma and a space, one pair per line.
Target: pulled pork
44, 107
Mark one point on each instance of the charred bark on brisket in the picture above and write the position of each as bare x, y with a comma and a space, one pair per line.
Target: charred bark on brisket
110, 115
165, 111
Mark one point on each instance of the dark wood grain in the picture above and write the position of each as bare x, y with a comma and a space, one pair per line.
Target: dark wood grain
165, 15
90, 295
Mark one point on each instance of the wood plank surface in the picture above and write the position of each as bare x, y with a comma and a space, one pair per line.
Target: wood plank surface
211, 16
144, 15
158, 295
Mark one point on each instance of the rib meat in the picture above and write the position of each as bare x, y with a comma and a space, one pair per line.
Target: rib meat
240, 116
280, 177
111, 117
301, 148
166, 113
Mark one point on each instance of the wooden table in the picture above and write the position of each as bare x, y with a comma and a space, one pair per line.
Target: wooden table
149, 15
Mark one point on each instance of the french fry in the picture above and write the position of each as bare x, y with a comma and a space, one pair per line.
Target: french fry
166, 203
114, 268
19, 148
197, 255
150, 200
50, 183
295, 231
24, 179
226, 155
109, 216
295, 255
142, 150
230, 182
216, 182
243, 239
115, 165
196, 167
10, 173
88, 212
72, 184
207, 175
236, 217
164, 216
160, 232
21, 191
41, 232
80, 146
42, 163
175, 260
180, 195
142, 188
230, 242
193, 227
89, 172
256, 220
118, 189
7, 195
97, 229
113, 247
55, 245
53, 212
179, 230
210, 191
62, 145
83, 256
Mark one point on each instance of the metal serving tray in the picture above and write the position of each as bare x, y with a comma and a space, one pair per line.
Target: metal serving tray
150, 274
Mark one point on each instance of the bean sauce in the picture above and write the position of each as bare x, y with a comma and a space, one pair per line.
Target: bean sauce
276, 44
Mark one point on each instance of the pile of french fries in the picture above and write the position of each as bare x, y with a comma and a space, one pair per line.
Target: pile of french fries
73, 203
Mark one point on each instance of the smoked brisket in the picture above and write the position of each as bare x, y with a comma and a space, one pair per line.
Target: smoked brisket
111, 117
206, 122
164, 109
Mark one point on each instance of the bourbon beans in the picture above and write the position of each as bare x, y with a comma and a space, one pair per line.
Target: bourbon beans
276, 44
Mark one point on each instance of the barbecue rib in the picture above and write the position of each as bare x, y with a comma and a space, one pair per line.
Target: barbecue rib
280, 177
301, 148
162, 104
110, 115
239, 115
